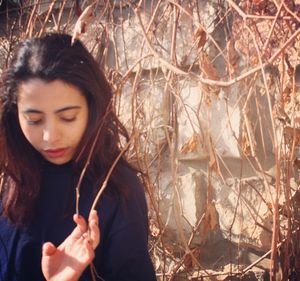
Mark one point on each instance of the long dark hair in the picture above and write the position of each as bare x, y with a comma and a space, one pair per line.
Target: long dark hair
50, 58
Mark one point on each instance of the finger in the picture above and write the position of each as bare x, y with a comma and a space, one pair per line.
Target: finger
93, 218
90, 250
48, 249
81, 226
94, 230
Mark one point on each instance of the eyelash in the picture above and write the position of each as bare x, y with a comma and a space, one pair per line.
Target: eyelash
37, 122
68, 119
29, 122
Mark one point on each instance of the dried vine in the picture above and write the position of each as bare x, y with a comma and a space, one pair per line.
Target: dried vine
245, 55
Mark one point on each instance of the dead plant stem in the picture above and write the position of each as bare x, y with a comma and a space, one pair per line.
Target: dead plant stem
110, 171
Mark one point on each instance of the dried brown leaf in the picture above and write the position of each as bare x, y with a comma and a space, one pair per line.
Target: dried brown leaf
207, 67
233, 58
211, 220
200, 36
209, 71
270, 205
286, 95
291, 134
82, 22
191, 145
297, 75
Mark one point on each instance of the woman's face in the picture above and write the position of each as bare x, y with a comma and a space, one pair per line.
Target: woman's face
53, 117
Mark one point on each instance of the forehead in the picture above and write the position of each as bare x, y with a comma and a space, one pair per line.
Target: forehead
43, 94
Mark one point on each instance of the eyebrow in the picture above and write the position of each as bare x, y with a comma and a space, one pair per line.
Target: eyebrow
30, 110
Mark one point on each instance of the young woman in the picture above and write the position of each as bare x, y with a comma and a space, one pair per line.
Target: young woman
54, 103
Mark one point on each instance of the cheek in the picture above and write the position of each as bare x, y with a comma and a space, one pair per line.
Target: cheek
78, 131
29, 133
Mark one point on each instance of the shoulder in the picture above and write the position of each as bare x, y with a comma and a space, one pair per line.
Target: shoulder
134, 198
124, 208
124, 190
129, 180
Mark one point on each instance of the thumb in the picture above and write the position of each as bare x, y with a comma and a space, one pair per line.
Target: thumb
48, 249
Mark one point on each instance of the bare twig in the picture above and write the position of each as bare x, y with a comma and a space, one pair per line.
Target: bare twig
105, 182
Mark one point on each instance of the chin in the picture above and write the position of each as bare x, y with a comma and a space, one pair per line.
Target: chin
58, 161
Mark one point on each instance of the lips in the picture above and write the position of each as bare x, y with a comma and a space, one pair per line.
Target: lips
55, 153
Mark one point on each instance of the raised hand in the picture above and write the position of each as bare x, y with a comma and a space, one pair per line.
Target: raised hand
68, 261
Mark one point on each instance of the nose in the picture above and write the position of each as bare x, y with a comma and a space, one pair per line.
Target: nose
51, 133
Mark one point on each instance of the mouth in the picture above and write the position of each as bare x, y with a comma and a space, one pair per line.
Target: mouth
55, 153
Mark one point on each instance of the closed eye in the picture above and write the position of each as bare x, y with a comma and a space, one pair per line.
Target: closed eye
68, 119
33, 118
68, 114
34, 122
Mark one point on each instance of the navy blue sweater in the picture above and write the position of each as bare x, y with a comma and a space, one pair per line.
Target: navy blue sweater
122, 253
